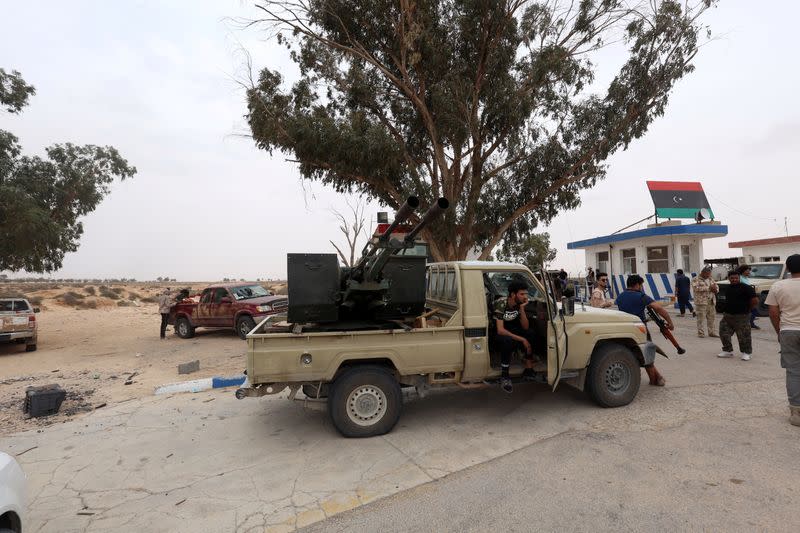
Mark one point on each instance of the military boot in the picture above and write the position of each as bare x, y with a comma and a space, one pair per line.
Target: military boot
794, 417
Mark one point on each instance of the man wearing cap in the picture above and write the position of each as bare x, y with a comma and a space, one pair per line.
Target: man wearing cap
705, 290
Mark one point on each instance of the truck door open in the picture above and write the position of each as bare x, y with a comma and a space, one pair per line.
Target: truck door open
556, 333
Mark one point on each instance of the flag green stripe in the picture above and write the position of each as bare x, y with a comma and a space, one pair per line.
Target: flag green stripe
679, 212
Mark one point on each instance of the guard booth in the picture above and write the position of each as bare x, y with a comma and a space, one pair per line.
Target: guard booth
659, 250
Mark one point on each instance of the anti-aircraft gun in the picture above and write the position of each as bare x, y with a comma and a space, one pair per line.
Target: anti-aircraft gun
387, 283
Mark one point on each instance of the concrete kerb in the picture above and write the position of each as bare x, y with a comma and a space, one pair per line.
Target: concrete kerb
197, 385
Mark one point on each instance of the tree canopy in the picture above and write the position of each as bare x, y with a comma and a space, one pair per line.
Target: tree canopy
491, 103
42, 199
531, 250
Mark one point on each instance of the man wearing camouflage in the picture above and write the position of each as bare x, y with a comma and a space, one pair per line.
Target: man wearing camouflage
704, 289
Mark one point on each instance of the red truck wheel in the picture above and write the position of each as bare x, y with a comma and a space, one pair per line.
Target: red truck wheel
244, 326
184, 328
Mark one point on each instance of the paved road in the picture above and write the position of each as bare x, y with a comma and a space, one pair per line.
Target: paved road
207, 462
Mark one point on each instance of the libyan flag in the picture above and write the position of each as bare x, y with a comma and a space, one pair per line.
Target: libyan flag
679, 199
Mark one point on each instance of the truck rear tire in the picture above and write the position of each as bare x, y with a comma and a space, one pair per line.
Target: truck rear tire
244, 325
184, 328
30, 347
614, 376
365, 401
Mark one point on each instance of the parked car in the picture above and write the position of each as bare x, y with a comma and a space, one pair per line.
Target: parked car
12, 495
232, 305
18, 322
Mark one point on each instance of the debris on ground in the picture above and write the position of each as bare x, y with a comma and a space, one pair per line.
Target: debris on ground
188, 368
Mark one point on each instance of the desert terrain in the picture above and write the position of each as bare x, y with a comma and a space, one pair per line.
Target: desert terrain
91, 342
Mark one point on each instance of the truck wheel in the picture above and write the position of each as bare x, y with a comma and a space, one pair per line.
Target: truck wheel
244, 326
365, 401
184, 328
30, 347
614, 376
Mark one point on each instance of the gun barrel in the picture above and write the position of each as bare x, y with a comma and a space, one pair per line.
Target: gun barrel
438, 207
401, 216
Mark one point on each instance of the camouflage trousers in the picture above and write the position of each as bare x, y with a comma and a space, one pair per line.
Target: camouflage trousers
706, 314
739, 324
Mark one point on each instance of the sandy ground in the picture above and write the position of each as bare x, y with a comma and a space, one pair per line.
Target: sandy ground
91, 353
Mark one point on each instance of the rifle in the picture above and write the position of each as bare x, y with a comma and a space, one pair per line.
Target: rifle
662, 327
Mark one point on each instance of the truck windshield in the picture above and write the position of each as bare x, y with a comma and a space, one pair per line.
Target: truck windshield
249, 291
766, 271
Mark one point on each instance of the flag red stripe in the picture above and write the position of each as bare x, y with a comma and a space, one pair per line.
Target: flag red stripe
674, 186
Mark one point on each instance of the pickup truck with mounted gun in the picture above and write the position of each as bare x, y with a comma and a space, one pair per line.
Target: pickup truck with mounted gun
393, 321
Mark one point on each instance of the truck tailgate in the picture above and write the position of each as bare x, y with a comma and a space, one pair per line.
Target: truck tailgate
11, 322
276, 357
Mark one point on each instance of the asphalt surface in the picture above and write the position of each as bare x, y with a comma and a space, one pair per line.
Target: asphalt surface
710, 451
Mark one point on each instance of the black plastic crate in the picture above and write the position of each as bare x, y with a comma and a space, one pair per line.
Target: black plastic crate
44, 400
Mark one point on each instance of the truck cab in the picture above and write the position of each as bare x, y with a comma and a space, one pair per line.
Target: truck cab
360, 372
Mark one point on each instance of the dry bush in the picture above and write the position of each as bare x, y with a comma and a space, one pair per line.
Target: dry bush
106, 292
149, 299
35, 300
10, 293
91, 304
71, 298
125, 303
118, 290
134, 296
90, 290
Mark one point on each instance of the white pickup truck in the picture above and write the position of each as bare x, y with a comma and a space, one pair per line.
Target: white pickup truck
18, 322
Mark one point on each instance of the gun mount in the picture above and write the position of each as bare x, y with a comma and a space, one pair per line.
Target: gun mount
385, 284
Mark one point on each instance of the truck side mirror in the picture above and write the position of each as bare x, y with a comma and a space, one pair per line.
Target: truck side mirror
36, 310
567, 306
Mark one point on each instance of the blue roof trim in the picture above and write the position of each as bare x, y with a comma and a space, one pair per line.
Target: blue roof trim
689, 229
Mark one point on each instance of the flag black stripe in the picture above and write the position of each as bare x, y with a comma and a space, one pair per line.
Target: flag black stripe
689, 199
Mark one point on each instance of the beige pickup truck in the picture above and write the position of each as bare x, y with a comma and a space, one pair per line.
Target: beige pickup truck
361, 373
18, 322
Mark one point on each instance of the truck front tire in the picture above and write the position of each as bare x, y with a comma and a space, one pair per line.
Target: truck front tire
614, 376
184, 328
365, 401
244, 325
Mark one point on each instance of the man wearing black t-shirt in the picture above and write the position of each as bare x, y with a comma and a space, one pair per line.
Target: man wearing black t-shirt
740, 299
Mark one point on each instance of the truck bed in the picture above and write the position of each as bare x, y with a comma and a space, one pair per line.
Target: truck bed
275, 357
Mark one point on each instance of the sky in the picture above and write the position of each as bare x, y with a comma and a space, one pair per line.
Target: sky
161, 81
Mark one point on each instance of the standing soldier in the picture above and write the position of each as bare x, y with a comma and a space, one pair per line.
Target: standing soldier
683, 293
705, 288
164, 306
740, 299
784, 313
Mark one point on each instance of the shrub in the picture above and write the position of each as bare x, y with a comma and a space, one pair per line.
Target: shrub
118, 290
35, 300
105, 292
71, 298
134, 296
91, 304
90, 290
125, 303
149, 299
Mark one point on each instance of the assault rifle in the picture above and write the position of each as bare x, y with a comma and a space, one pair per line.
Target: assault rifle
664, 329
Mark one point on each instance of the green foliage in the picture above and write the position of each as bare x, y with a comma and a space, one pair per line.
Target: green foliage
531, 250
485, 102
42, 199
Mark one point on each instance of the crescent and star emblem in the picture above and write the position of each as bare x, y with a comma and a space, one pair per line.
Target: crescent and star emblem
677, 199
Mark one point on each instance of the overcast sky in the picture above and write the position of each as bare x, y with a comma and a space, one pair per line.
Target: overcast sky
158, 81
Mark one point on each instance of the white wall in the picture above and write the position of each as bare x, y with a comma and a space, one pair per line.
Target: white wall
674, 257
770, 250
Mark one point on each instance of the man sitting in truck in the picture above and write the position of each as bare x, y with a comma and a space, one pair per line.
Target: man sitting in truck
513, 331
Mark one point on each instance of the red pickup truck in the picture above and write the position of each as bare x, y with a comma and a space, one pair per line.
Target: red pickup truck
231, 305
